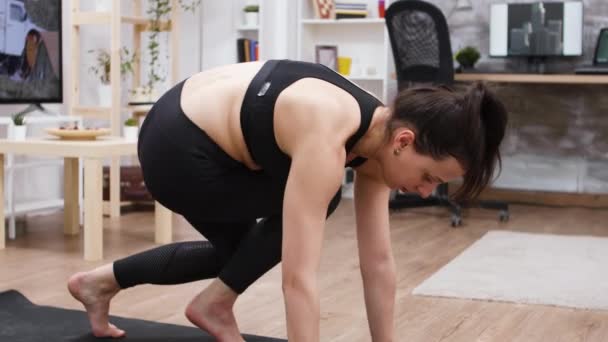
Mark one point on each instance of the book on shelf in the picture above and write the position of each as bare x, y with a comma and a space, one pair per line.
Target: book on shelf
247, 50
350, 14
351, 5
351, 9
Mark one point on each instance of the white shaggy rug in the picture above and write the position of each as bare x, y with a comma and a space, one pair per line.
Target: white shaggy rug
560, 270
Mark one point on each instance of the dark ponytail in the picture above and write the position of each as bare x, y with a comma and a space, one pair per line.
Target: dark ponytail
468, 126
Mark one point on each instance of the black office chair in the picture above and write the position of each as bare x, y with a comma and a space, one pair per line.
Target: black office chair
420, 41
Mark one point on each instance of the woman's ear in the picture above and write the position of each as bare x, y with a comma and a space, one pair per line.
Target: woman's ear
404, 137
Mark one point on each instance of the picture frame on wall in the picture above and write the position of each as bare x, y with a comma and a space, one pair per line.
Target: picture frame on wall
324, 9
327, 55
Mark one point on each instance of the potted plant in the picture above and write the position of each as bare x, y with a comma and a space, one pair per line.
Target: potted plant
251, 15
18, 129
467, 57
130, 129
102, 69
157, 11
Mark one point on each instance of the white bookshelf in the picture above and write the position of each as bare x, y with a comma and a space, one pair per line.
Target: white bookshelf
377, 21
364, 40
248, 28
242, 29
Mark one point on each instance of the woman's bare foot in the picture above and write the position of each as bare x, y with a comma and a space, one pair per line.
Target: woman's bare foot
211, 311
94, 290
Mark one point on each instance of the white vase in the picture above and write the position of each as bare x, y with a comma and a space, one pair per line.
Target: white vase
17, 132
105, 95
251, 19
153, 95
103, 5
130, 132
141, 94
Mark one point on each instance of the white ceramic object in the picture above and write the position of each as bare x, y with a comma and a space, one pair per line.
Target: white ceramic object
130, 132
105, 95
251, 19
18, 132
142, 95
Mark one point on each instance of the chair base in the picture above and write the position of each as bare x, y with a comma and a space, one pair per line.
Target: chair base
502, 207
401, 201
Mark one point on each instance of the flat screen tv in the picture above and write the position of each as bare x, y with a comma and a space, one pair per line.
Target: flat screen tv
30, 51
536, 29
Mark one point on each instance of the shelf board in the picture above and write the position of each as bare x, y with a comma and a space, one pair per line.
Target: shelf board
93, 112
138, 110
134, 20
37, 205
365, 78
248, 28
356, 21
105, 206
104, 18
39, 163
91, 18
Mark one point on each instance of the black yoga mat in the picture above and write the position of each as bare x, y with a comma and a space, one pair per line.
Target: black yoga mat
24, 321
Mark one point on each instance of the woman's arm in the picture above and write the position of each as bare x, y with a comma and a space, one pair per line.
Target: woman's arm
375, 254
316, 173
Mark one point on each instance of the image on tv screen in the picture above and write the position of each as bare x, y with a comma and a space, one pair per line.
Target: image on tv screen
536, 29
30, 51
602, 48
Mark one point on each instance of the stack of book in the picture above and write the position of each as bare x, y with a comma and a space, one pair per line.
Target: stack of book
351, 9
247, 50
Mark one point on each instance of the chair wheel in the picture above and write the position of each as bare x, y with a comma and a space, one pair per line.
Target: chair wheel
456, 221
503, 216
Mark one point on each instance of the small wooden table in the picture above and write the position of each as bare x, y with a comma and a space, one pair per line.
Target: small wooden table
92, 152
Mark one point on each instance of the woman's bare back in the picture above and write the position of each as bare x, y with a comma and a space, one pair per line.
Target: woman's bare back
212, 99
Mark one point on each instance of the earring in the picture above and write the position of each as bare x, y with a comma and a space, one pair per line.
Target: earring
396, 151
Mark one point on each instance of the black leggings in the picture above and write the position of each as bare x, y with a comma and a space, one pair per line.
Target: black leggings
191, 175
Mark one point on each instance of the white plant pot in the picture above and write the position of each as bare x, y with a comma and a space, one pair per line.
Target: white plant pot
103, 5
140, 94
105, 95
130, 132
251, 19
18, 132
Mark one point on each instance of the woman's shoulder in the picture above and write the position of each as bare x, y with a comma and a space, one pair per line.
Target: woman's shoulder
308, 110
318, 100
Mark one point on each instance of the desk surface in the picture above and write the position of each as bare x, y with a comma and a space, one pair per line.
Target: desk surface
51, 146
534, 78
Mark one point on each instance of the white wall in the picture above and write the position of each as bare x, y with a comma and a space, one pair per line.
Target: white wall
218, 37
278, 36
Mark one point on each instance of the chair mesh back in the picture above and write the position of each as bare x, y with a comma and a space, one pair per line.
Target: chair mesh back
420, 41
416, 38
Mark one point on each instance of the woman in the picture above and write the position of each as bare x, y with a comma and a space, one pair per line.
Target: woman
270, 140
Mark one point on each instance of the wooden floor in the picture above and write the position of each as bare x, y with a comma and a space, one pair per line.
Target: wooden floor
40, 260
